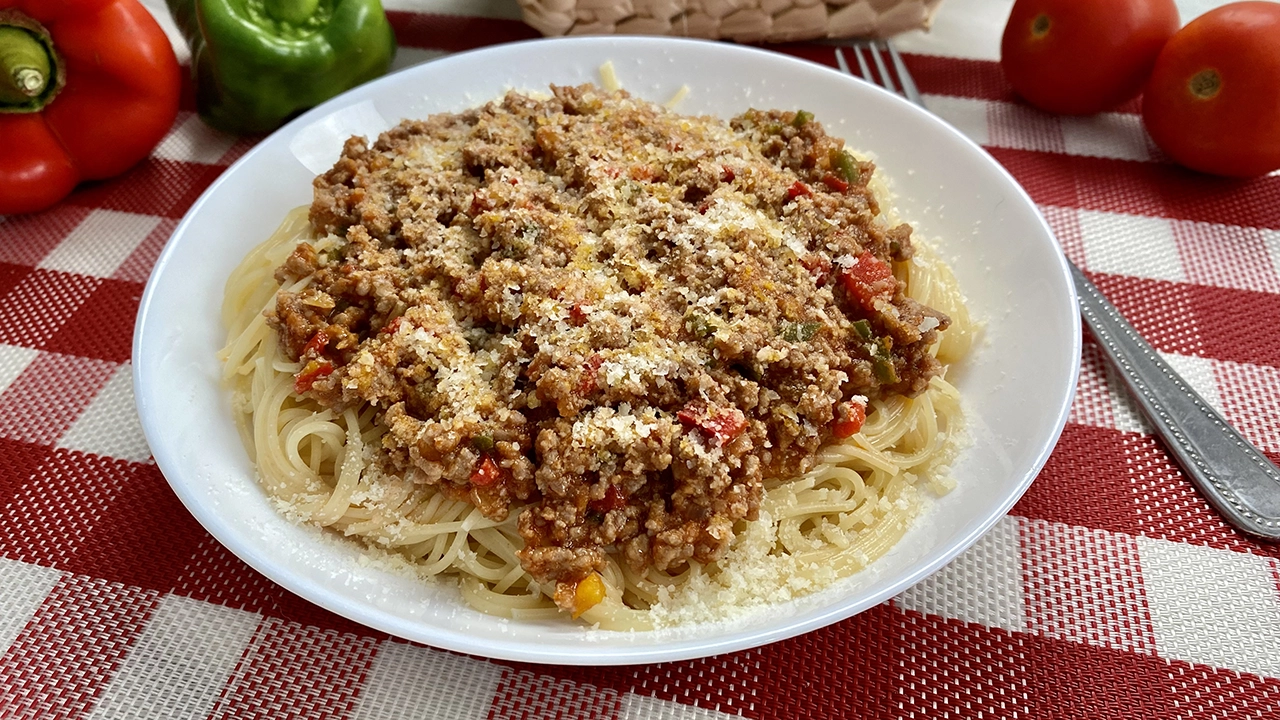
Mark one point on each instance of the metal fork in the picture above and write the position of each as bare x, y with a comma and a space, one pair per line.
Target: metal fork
877, 48
1231, 473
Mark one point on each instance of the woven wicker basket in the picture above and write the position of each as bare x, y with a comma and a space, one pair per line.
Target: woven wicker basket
740, 20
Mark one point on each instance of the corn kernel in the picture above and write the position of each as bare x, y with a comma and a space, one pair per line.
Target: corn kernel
589, 593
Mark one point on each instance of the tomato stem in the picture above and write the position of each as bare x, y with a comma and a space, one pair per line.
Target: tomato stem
30, 74
1040, 26
1205, 84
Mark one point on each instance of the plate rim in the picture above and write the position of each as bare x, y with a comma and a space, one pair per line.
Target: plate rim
598, 654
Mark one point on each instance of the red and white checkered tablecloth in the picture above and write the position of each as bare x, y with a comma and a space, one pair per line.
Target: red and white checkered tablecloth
1111, 591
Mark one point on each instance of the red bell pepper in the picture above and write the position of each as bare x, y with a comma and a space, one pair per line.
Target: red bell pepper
835, 183
590, 375
119, 97
486, 472
316, 345
719, 424
798, 189
309, 374
867, 278
613, 500
849, 419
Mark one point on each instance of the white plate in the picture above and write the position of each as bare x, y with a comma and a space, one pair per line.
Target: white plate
1017, 384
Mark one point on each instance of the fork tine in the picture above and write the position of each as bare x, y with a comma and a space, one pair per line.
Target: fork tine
908, 85
844, 66
862, 64
886, 79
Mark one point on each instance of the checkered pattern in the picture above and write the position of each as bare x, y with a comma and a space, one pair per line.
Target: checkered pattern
1113, 590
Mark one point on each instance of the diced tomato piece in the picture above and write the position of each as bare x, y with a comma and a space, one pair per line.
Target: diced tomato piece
590, 372
727, 174
313, 371
719, 424
316, 344
703, 207
393, 327
486, 472
613, 500
691, 415
577, 315
849, 419
798, 189
869, 278
834, 183
725, 426
818, 266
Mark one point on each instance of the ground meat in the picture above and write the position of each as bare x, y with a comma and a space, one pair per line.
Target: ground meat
620, 318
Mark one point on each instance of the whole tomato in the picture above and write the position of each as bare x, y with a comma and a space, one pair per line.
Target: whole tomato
1079, 57
1213, 100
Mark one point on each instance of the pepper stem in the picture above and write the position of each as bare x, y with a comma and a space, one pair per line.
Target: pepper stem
293, 12
29, 72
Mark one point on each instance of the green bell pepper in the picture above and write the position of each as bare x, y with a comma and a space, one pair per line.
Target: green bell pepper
257, 63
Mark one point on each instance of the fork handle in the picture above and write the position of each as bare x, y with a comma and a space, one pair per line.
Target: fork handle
1230, 472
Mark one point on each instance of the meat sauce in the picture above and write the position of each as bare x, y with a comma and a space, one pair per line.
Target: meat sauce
615, 318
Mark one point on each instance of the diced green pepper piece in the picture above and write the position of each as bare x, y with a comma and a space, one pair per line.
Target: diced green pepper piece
800, 332
802, 118
483, 443
699, 325
842, 162
863, 328
884, 370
